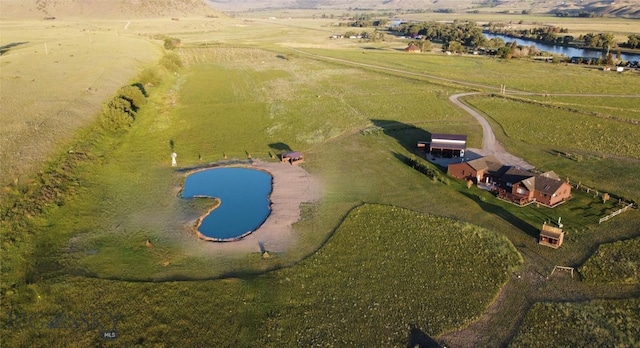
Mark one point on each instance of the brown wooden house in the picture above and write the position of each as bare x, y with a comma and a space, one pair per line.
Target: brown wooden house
481, 170
523, 187
551, 236
512, 183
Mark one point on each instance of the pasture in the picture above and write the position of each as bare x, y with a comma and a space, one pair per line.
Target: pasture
379, 222
54, 78
602, 323
604, 146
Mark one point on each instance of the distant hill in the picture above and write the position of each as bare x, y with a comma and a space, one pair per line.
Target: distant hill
102, 9
617, 8
608, 8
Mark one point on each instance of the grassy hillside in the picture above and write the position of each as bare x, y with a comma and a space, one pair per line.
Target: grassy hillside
621, 8
13, 9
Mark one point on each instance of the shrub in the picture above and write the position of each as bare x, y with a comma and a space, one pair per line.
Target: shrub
115, 118
150, 76
171, 43
171, 61
133, 95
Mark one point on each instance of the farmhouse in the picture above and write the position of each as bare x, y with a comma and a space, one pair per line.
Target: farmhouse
551, 236
446, 145
292, 157
481, 170
523, 187
512, 183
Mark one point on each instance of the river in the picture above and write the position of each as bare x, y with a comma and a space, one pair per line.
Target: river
558, 49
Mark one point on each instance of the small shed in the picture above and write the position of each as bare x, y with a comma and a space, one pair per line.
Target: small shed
292, 157
551, 236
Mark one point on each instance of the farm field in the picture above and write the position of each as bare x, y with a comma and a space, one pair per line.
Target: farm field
619, 108
614, 263
602, 147
515, 74
578, 324
408, 256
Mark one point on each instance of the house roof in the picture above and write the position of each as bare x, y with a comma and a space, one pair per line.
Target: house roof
490, 163
550, 231
515, 174
551, 174
547, 185
292, 154
412, 48
441, 136
447, 145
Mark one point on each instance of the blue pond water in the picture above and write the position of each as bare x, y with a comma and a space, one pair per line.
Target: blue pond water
244, 200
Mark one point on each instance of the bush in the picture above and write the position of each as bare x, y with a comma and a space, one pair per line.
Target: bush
114, 118
150, 76
120, 112
171, 61
133, 95
171, 43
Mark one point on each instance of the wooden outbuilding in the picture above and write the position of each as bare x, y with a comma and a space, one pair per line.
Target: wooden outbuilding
292, 157
551, 236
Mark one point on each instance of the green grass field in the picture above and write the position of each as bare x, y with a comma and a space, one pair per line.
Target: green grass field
364, 253
614, 263
602, 323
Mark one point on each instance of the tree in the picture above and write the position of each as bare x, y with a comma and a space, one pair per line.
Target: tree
634, 41
608, 41
609, 59
505, 52
425, 45
455, 46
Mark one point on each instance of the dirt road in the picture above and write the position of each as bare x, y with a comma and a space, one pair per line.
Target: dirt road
490, 146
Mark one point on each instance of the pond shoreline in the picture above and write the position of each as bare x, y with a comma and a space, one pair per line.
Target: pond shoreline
291, 186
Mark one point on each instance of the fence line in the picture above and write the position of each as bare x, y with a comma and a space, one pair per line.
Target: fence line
619, 211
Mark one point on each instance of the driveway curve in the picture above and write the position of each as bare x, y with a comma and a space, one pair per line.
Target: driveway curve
490, 146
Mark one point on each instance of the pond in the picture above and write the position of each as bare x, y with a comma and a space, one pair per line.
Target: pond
559, 49
244, 200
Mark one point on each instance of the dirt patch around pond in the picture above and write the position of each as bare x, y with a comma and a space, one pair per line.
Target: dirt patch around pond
291, 186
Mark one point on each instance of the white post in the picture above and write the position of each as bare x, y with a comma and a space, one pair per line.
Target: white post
173, 159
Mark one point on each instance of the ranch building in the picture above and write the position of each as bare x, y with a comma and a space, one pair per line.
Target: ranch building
292, 157
445, 145
513, 184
